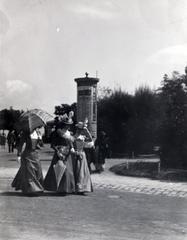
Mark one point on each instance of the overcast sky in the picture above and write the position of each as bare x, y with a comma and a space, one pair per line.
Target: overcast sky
45, 44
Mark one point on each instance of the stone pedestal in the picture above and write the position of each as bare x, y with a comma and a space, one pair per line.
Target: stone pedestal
87, 102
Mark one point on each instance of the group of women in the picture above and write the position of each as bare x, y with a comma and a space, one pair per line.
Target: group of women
68, 172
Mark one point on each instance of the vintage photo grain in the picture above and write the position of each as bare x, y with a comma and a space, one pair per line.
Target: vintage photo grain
93, 120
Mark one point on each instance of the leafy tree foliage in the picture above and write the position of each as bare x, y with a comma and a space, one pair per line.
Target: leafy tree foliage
65, 108
9, 118
104, 92
143, 125
114, 112
173, 95
136, 123
130, 121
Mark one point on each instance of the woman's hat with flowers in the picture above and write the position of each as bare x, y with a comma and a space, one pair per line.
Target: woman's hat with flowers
66, 119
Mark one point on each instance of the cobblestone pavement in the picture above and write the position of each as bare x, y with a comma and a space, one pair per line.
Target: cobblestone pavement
110, 180
107, 179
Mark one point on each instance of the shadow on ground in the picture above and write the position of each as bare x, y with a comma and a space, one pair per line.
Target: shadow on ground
20, 194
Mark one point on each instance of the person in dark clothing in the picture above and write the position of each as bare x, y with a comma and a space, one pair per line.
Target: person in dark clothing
90, 156
11, 139
62, 143
3, 139
101, 149
29, 178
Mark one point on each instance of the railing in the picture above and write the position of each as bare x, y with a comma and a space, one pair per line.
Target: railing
143, 160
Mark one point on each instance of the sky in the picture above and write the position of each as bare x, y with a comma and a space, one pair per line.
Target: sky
46, 44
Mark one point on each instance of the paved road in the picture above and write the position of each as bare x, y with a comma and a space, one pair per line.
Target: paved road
112, 212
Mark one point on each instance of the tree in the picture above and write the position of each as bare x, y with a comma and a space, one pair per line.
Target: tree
143, 124
66, 108
173, 132
131, 121
62, 109
9, 118
104, 92
113, 113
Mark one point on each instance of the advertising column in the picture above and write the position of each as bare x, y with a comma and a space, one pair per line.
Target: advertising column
87, 102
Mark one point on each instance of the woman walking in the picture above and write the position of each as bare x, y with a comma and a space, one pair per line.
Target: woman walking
82, 173
29, 178
60, 176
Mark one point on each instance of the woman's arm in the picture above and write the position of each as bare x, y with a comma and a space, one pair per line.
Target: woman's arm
87, 134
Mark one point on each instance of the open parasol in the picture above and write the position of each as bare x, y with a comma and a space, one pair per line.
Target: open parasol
33, 119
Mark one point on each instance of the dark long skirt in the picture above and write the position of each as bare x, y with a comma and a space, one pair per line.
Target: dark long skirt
29, 177
67, 183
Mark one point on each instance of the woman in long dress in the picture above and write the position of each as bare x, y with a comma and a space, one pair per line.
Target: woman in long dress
62, 162
82, 173
29, 178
